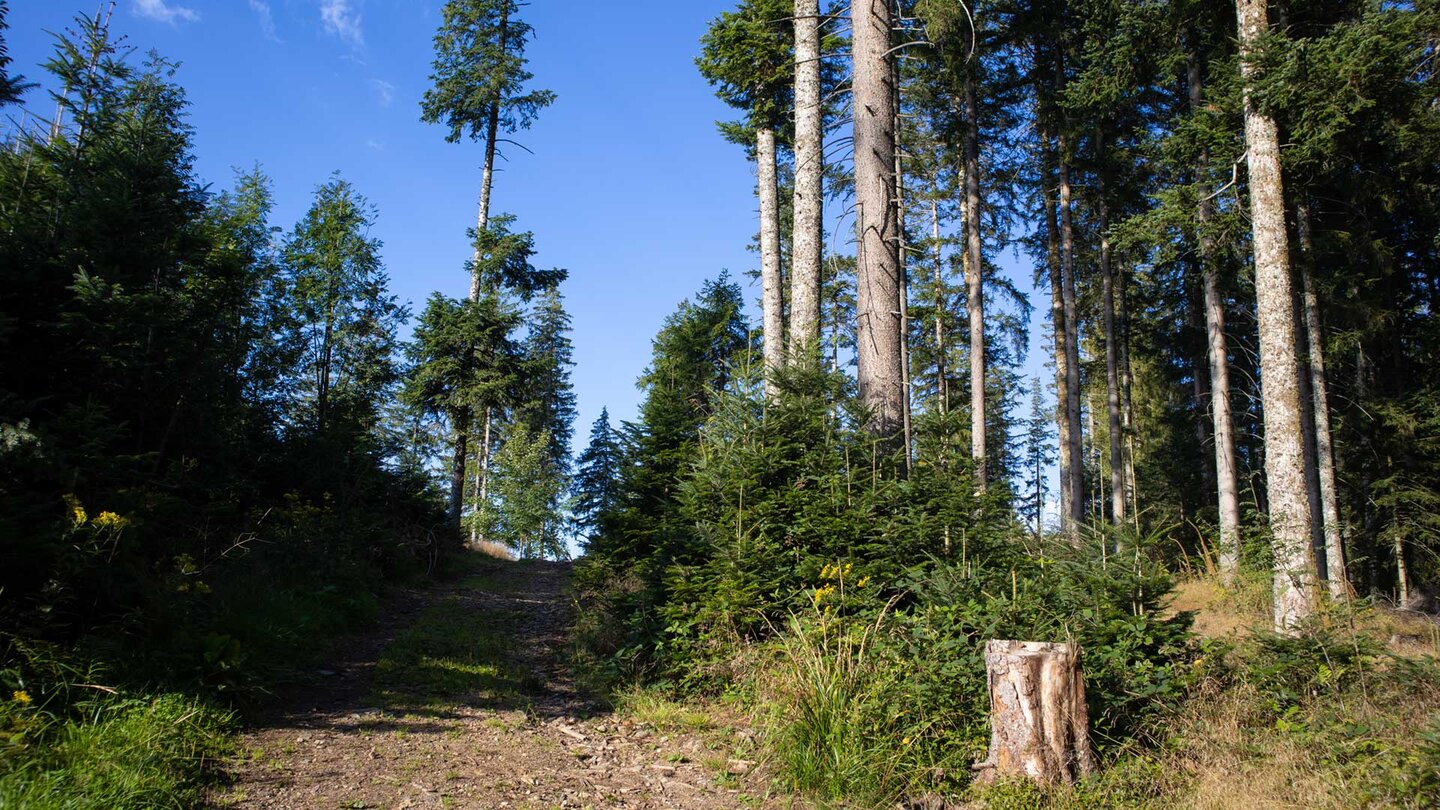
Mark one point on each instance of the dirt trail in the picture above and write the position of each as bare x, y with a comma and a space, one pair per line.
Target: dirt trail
390, 723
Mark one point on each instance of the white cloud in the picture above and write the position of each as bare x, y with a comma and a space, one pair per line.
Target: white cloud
384, 91
341, 19
378, 146
162, 11
267, 19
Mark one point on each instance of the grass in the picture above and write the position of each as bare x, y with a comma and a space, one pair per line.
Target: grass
454, 652
653, 708
125, 753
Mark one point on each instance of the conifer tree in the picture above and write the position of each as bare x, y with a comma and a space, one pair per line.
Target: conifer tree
1285, 479
748, 55
596, 487
808, 231
479, 92
877, 271
11, 87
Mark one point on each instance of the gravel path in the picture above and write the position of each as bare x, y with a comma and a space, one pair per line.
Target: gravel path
326, 745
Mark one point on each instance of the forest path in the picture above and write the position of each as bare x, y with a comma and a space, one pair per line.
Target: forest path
461, 698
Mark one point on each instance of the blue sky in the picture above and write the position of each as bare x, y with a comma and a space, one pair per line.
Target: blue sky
629, 186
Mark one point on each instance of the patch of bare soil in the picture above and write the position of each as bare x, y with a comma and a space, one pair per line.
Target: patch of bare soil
339, 740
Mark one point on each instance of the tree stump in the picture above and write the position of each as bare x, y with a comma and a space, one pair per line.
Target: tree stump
1039, 726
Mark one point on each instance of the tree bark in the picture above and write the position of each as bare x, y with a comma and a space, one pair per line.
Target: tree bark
942, 384
1076, 483
808, 236
1334, 543
902, 270
1112, 363
1226, 481
1275, 310
877, 282
974, 282
461, 445
1039, 723
772, 301
1059, 334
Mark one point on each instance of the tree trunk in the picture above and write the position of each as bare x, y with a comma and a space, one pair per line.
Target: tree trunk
974, 282
1059, 333
1127, 384
1112, 363
772, 301
942, 385
1039, 723
877, 282
808, 236
1275, 311
902, 271
461, 441
1072, 343
1226, 481
461, 451
1334, 543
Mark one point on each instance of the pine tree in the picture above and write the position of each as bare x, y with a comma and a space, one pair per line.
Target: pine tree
596, 487
479, 92
748, 55
1037, 454
11, 87
877, 298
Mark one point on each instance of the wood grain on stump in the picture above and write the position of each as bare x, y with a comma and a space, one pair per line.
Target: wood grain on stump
1039, 726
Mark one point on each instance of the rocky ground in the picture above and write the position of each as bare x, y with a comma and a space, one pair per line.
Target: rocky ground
461, 698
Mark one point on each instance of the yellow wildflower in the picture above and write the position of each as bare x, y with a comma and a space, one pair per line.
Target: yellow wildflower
110, 521
863, 582
77, 512
22, 697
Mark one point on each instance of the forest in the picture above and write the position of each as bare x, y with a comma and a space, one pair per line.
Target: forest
1098, 324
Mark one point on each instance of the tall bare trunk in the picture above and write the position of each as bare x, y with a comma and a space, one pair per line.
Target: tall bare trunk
1127, 380
772, 301
461, 451
460, 443
902, 269
877, 281
974, 282
1334, 543
942, 383
1112, 363
1226, 481
1275, 310
1072, 341
1059, 332
808, 236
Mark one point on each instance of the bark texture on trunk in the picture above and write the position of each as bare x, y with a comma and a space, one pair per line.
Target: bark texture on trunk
1076, 482
1039, 724
461, 451
942, 384
772, 300
1337, 577
974, 282
1275, 310
1059, 333
902, 271
808, 236
1112, 365
1222, 426
877, 283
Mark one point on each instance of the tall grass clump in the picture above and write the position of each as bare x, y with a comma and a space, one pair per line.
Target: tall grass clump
69, 741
